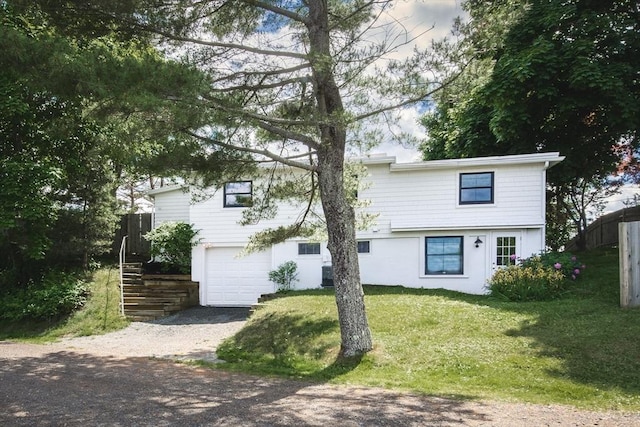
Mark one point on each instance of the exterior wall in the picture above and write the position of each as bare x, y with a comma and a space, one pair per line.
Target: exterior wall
219, 224
400, 259
412, 201
428, 199
171, 205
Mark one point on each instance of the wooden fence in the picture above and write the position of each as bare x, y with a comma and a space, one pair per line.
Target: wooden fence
604, 230
134, 226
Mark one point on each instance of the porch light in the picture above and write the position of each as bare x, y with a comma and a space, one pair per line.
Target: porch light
478, 242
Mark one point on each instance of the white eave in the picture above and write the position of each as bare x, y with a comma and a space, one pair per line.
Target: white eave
415, 228
167, 189
547, 159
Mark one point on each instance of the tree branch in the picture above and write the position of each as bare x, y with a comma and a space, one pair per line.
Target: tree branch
278, 10
284, 160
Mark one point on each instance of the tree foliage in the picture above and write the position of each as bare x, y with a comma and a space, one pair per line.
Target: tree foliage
291, 83
78, 112
564, 78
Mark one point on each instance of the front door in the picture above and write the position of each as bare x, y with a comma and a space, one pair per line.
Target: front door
505, 249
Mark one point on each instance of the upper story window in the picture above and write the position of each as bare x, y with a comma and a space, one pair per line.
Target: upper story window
476, 188
308, 248
443, 255
238, 194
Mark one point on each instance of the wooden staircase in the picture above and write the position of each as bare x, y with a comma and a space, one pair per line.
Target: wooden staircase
152, 297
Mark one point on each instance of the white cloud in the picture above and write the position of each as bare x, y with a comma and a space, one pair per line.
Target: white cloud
437, 16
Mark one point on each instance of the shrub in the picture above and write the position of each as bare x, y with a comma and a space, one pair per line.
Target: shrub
564, 262
284, 276
172, 242
538, 278
57, 294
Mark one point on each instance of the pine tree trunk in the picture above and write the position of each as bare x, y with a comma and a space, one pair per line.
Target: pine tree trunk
339, 215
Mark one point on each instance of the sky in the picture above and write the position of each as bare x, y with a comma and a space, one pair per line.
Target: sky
419, 15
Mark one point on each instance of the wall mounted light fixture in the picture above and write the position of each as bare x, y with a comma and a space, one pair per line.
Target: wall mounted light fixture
478, 242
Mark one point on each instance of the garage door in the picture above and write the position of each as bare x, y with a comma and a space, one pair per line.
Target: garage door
236, 281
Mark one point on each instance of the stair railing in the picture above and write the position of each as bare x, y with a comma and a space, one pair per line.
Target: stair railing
121, 259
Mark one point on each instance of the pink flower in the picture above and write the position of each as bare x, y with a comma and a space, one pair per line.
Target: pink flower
576, 271
573, 277
513, 257
573, 258
557, 266
583, 266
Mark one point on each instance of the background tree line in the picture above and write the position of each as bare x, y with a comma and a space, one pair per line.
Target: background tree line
544, 75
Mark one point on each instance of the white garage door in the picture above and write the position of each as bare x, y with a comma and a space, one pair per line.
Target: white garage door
236, 281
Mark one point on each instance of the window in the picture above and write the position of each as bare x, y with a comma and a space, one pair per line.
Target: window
476, 188
308, 248
364, 247
443, 255
505, 249
238, 194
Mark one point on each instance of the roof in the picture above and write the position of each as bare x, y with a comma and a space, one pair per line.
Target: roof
546, 159
167, 189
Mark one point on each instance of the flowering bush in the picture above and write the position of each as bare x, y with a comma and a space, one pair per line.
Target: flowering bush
542, 277
563, 262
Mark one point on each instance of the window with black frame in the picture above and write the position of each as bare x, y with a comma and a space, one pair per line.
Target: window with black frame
443, 255
476, 188
308, 248
238, 194
364, 246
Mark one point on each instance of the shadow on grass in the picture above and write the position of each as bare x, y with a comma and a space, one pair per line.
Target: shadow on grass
282, 343
595, 340
69, 388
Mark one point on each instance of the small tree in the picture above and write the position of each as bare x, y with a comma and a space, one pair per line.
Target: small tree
172, 242
284, 276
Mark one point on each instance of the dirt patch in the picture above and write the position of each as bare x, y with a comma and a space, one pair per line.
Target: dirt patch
110, 380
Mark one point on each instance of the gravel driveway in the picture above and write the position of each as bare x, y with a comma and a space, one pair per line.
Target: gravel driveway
110, 380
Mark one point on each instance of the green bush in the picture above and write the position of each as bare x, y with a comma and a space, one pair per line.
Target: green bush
538, 278
57, 294
172, 243
284, 276
564, 262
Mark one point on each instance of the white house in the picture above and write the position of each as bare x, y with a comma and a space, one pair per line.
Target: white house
441, 224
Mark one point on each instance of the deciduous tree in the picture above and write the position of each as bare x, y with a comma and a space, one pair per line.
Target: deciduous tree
564, 78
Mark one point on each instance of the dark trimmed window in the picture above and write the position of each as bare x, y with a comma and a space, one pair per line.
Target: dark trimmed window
364, 246
443, 255
476, 188
308, 248
238, 194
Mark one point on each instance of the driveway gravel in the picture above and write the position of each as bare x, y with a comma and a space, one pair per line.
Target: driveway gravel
131, 378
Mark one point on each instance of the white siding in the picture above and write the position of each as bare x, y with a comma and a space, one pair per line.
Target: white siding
171, 206
412, 202
428, 199
220, 225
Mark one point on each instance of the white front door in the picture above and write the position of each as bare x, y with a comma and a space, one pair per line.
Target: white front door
505, 248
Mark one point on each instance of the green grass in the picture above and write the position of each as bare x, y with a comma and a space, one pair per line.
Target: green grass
100, 314
582, 350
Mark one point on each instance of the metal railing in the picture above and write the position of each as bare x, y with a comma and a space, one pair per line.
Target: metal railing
121, 259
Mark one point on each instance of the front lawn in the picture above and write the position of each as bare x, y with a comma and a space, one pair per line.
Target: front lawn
581, 350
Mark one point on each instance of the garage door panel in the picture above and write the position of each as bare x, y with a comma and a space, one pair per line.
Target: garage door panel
236, 281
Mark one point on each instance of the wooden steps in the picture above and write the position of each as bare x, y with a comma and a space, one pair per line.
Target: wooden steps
263, 298
149, 298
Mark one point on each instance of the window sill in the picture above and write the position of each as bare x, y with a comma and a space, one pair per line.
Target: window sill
444, 276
